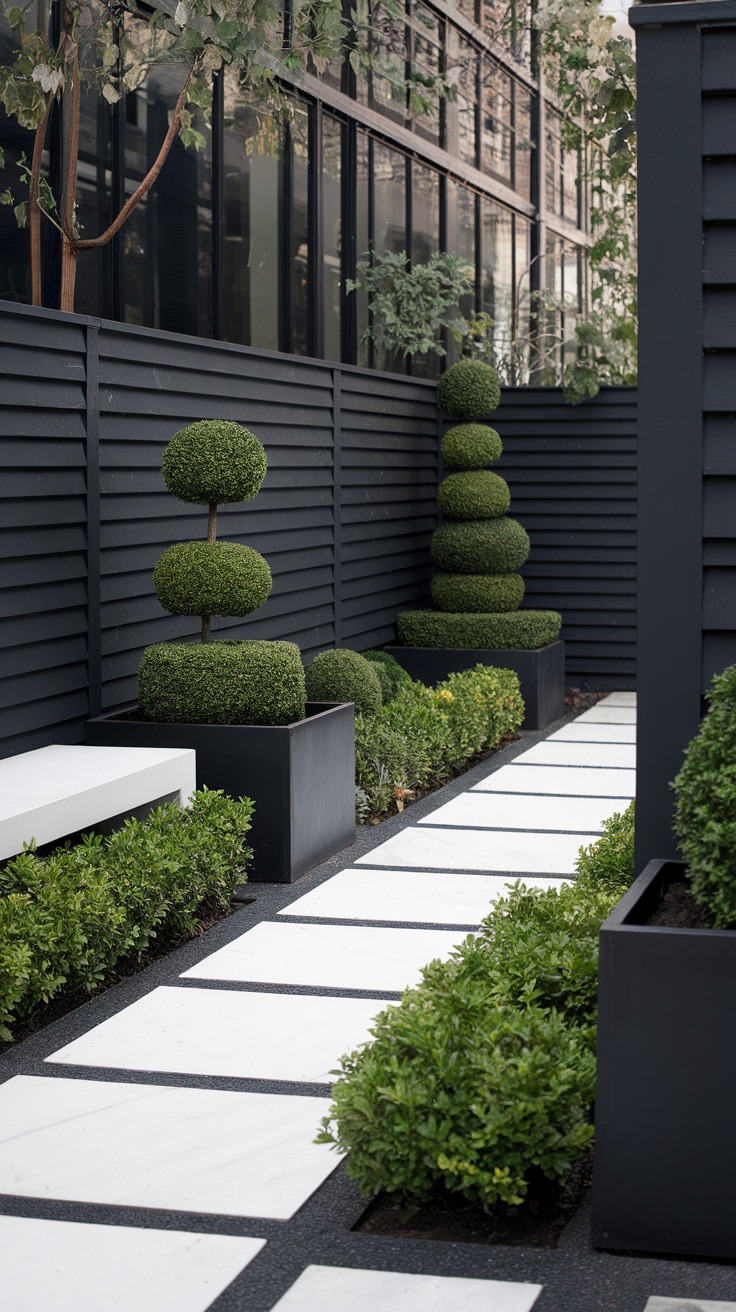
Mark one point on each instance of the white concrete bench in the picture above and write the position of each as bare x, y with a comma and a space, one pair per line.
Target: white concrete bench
55, 791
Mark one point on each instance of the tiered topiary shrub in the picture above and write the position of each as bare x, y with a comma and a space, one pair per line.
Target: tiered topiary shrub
210, 463
477, 590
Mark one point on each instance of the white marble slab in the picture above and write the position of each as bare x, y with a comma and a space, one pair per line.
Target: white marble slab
491, 850
259, 1036
422, 896
687, 1305
619, 699
329, 956
138, 1145
560, 781
68, 1266
602, 714
594, 733
570, 815
614, 756
336, 1288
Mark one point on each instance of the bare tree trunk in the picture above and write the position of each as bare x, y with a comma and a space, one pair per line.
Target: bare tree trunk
34, 213
68, 243
212, 524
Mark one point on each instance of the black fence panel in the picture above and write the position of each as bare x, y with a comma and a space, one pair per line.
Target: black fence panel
686, 55
344, 517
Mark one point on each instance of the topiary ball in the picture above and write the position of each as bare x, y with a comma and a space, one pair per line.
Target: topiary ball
211, 578
223, 682
475, 494
477, 593
468, 390
214, 462
471, 446
388, 668
342, 675
486, 546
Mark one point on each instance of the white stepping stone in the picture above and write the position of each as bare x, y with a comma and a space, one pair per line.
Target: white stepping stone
260, 1036
687, 1305
560, 781
422, 896
138, 1145
473, 849
329, 956
515, 811
335, 1288
616, 756
594, 733
618, 699
69, 1266
602, 714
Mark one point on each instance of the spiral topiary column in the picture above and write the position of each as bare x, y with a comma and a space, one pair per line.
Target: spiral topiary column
225, 682
477, 590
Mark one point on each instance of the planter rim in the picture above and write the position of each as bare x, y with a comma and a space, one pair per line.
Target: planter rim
617, 922
328, 708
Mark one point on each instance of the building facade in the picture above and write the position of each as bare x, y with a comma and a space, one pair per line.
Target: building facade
255, 239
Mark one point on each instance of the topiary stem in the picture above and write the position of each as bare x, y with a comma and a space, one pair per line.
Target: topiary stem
206, 628
212, 523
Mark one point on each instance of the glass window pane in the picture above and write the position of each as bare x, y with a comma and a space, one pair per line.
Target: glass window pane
253, 144
93, 294
427, 39
523, 144
425, 213
383, 84
522, 301
461, 112
553, 162
332, 135
571, 173
389, 225
466, 243
497, 272
299, 230
15, 274
363, 237
497, 123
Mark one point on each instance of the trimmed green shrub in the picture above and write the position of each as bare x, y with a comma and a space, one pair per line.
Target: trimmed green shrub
222, 682
705, 814
521, 629
471, 446
214, 461
608, 865
468, 390
477, 593
342, 675
474, 494
392, 672
65, 919
495, 546
211, 578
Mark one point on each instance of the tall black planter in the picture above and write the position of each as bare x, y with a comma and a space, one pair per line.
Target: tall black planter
665, 1163
541, 673
301, 777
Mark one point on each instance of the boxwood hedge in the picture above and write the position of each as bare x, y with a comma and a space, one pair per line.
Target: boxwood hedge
214, 462
468, 390
211, 578
485, 546
477, 593
471, 446
474, 494
522, 629
222, 682
342, 675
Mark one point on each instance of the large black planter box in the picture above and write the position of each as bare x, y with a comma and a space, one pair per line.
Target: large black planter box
301, 777
541, 673
665, 1155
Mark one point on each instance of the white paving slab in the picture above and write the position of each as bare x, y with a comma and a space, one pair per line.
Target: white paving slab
138, 1145
422, 896
68, 1266
687, 1305
614, 756
619, 699
584, 815
594, 733
260, 1036
602, 714
473, 849
329, 956
335, 1289
561, 781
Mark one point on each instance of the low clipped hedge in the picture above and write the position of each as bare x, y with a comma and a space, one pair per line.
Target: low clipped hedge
425, 734
477, 593
468, 390
471, 446
521, 630
342, 675
486, 546
485, 1072
211, 578
222, 682
474, 494
67, 918
214, 462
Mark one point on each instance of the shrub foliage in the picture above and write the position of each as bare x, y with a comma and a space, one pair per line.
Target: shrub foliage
394, 675
487, 546
468, 390
477, 593
250, 682
342, 675
524, 630
471, 446
213, 462
474, 494
211, 578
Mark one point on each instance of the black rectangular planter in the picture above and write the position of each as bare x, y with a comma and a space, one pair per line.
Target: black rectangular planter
301, 777
665, 1155
541, 673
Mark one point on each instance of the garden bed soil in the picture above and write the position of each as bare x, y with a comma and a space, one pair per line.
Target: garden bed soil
581, 699
539, 1222
678, 909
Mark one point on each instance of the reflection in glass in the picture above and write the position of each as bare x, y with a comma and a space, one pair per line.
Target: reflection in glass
497, 123
363, 237
523, 144
332, 134
298, 140
427, 42
466, 243
522, 300
389, 224
425, 239
497, 272
462, 73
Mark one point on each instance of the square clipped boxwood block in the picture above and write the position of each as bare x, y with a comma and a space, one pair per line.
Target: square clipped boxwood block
300, 776
541, 673
665, 1136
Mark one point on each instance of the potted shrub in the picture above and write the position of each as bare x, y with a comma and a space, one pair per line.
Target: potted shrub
665, 1123
241, 704
477, 590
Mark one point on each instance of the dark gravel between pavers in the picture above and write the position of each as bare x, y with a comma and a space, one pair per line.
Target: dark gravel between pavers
576, 1278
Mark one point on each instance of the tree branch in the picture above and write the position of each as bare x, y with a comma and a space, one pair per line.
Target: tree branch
34, 209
